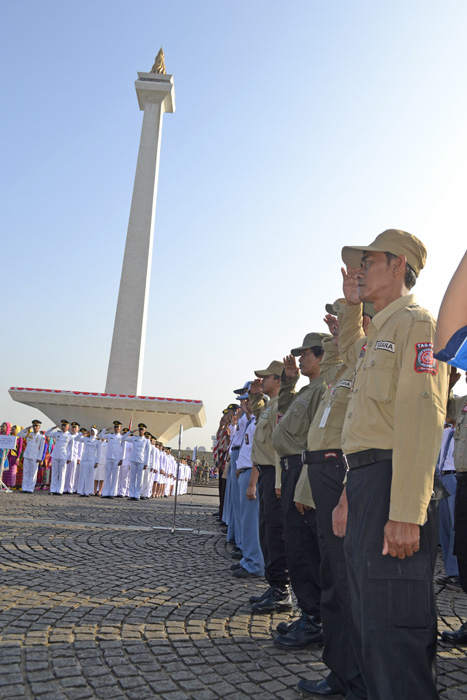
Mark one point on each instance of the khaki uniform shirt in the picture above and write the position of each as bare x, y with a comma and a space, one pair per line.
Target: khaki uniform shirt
266, 419
398, 400
296, 411
303, 492
457, 408
325, 432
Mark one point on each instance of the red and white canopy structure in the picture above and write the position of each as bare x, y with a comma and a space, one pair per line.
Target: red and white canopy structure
162, 416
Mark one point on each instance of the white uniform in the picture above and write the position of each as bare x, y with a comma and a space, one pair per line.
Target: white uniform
138, 460
99, 473
90, 447
59, 457
124, 478
32, 456
75, 451
112, 466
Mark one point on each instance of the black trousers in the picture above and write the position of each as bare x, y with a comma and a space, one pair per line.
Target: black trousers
326, 480
301, 546
392, 604
460, 528
271, 530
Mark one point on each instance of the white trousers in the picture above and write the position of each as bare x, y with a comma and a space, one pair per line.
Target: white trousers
57, 480
29, 474
71, 476
136, 479
111, 477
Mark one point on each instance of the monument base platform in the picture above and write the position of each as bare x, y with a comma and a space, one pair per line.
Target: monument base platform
162, 416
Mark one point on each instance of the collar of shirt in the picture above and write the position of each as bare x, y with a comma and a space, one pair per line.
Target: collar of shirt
382, 316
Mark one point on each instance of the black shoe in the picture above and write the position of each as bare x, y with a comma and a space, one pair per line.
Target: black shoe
259, 598
456, 636
236, 566
243, 573
236, 555
453, 583
216, 514
277, 601
318, 689
285, 627
306, 633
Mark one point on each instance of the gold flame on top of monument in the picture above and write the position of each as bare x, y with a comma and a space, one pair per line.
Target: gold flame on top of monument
159, 63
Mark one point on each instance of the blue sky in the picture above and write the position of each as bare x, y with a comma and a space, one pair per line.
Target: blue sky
300, 127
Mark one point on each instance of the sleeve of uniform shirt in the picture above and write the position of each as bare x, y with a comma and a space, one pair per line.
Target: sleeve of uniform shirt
351, 336
303, 489
331, 362
23, 433
52, 433
419, 411
258, 402
286, 392
316, 397
103, 434
41, 448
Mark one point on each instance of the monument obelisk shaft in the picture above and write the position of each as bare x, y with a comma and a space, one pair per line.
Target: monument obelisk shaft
156, 96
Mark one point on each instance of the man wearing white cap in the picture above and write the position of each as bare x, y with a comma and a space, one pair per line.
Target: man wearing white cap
391, 439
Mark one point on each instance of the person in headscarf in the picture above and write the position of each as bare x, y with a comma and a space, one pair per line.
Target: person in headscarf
5, 429
13, 459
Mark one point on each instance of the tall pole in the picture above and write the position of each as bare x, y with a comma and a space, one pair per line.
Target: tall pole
156, 95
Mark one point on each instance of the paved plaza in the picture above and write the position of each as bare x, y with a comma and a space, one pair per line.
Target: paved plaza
96, 603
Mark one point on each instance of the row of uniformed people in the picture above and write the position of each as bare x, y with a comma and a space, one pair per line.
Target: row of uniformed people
374, 421
113, 463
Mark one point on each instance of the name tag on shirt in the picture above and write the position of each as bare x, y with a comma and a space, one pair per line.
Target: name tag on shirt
324, 418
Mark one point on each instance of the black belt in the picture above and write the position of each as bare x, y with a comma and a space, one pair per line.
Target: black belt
320, 456
262, 467
290, 462
366, 457
237, 447
240, 471
448, 471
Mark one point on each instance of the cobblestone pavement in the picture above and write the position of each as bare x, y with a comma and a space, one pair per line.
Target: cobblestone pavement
95, 603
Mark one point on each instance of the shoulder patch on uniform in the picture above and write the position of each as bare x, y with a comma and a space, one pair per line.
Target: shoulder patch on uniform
346, 383
424, 360
385, 345
362, 351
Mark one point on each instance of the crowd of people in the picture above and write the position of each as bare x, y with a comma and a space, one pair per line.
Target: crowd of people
330, 491
114, 462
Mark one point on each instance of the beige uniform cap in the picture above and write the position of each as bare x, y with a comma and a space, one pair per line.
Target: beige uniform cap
275, 367
311, 340
390, 241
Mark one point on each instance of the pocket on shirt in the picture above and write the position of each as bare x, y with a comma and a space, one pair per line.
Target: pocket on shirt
399, 591
380, 379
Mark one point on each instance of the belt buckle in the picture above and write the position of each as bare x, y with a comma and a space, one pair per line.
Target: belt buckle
346, 462
304, 457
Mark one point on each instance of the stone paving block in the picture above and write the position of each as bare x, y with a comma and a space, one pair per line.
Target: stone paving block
14, 691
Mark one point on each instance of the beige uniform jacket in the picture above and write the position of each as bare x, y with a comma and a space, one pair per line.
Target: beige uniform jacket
457, 408
325, 432
265, 413
296, 411
398, 400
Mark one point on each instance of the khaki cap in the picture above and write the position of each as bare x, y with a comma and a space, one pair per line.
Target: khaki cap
368, 309
311, 340
390, 241
275, 367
